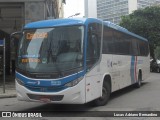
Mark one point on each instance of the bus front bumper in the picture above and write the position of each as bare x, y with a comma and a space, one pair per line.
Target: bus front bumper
71, 95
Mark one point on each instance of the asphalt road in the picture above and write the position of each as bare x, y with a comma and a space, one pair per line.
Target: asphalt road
146, 98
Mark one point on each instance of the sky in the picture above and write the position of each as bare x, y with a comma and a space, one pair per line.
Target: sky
72, 7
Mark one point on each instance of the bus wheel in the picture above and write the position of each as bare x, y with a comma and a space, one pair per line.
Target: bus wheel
106, 91
138, 84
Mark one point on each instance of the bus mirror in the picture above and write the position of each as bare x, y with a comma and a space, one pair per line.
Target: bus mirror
15, 37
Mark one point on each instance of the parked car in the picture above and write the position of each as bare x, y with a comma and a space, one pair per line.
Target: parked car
155, 65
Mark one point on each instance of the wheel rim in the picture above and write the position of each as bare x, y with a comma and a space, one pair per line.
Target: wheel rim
139, 80
104, 94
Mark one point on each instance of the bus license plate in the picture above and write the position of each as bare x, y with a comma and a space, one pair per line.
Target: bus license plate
45, 100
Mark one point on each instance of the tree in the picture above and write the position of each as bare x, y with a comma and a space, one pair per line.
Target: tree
146, 23
157, 52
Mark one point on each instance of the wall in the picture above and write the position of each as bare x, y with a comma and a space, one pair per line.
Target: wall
34, 11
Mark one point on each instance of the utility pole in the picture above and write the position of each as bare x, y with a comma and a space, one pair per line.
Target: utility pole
2, 44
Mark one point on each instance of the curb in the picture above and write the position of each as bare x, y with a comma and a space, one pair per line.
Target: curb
7, 96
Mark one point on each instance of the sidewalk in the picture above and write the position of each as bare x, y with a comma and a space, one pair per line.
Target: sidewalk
9, 87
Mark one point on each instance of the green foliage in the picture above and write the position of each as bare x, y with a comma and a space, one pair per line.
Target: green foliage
146, 23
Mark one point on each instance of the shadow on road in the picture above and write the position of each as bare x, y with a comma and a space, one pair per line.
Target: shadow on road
60, 107
126, 90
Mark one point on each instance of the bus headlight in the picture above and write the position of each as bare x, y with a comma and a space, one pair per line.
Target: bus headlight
74, 82
20, 81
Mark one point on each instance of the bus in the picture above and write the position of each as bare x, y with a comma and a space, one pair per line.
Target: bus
78, 60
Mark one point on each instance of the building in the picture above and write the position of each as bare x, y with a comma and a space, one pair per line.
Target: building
90, 8
112, 10
14, 14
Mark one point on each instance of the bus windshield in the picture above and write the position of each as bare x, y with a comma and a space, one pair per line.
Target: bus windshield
51, 49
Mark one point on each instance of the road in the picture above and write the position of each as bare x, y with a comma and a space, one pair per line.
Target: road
146, 98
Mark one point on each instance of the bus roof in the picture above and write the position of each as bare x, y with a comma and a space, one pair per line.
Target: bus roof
55, 22
124, 30
77, 21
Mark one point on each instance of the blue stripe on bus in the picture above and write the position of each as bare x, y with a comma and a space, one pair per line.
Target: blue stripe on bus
48, 82
132, 69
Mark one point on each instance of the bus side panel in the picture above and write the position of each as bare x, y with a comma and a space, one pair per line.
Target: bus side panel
124, 69
107, 69
121, 70
143, 64
119, 67
146, 71
93, 84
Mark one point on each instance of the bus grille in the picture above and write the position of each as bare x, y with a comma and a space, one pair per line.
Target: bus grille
51, 97
45, 89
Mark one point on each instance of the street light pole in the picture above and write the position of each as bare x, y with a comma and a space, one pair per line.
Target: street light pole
4, 65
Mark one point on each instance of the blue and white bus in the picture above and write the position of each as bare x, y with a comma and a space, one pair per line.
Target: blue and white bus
75, 61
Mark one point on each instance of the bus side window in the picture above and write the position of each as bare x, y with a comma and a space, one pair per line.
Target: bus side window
93, 44
135, 48
108, 42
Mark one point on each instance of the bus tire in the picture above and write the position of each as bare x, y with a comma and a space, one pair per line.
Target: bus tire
139, 82
106, 91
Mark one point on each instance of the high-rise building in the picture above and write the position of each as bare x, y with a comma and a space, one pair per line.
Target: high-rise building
90, 8
112, 10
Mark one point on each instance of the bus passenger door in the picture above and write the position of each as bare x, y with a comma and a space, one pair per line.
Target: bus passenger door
93, 85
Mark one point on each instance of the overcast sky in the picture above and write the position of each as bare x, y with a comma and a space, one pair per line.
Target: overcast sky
72, 7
